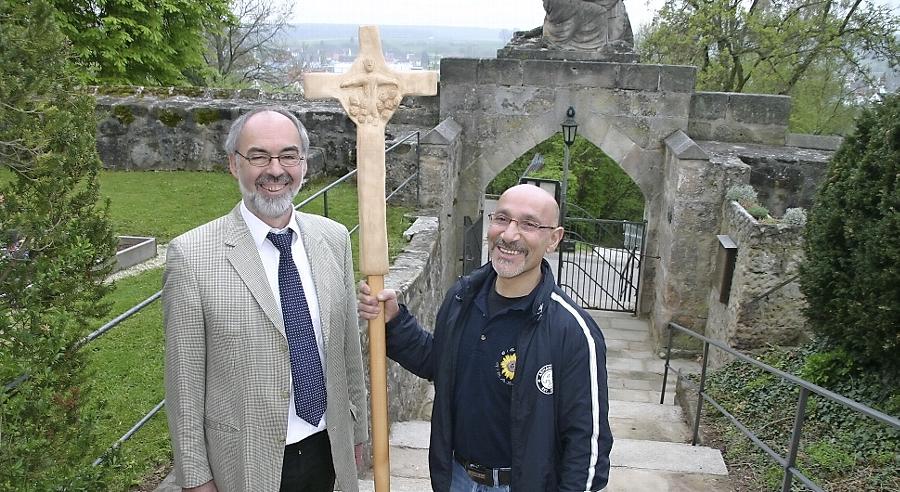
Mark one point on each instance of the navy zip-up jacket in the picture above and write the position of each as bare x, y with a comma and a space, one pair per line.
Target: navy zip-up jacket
560, 427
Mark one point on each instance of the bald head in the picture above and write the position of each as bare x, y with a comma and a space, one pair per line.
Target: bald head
542, 202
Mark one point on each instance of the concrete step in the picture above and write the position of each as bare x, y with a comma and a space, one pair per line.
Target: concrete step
399, 484
634, 480
626, 335
667, 456
648, 421
642, 396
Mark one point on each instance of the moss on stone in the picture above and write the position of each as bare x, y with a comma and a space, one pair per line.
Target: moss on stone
116, 90
205, 116
169, 117
123, 113
189, 91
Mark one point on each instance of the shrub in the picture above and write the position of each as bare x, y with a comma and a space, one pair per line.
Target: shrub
850, 275
794, 217
51, 287
758, 212
743, 194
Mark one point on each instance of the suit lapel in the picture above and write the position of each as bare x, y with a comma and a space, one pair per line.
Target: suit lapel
312, 241
244, 258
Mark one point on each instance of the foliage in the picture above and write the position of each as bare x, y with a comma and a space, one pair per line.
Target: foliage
246, 48
816, 51
852, 244
794, 216
141, 42
758, 212
57, 241
743, 194
841, 450
597, 186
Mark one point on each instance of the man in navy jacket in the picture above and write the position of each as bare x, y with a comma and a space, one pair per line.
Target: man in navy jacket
519, 369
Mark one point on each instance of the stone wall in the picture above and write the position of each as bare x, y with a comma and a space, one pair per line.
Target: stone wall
736, 117
166, 129
767, 256
416, 276
694, 189
784, 177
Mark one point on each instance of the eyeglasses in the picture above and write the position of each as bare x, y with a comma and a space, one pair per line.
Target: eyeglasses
526, 226
262, 159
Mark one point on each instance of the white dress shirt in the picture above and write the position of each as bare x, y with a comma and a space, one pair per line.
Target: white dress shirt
297, 429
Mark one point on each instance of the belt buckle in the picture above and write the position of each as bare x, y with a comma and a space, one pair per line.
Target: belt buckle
479, 474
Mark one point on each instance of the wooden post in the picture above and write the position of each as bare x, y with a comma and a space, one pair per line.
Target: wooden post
370, 92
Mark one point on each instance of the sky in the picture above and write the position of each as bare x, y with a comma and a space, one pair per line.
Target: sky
504, 14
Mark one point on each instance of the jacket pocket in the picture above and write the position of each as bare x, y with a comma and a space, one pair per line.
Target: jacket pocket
353, 412
219, 426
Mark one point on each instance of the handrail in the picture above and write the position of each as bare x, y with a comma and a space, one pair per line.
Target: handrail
150, 300
786, 462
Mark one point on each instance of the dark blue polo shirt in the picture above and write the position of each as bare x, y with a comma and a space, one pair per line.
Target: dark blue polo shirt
485, 370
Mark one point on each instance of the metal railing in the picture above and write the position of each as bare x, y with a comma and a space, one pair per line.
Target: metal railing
153, 298
787, 463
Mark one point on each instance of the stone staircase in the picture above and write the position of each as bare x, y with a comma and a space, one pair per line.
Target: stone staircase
651, 451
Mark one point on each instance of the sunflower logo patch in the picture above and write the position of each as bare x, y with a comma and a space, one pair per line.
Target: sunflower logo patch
506, 365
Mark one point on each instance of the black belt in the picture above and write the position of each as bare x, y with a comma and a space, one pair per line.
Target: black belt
492, 477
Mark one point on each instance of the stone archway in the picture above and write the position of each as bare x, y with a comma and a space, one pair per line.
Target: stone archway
509, 106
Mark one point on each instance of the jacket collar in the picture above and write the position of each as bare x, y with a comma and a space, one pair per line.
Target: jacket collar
472, 283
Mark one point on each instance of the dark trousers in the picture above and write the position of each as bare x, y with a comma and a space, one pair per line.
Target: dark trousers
308, 466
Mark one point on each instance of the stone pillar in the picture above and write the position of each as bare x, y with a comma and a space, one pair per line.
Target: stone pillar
694, 188
441, 151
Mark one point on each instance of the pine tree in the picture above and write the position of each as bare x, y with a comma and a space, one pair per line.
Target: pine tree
850, 275
56, 241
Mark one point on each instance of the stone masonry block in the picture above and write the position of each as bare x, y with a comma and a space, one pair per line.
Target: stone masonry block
616, 144
542, 73
458, 71
588, 74
682, 147
446, 132
760, 109
499, 71
639, 77
676, 78
709, 105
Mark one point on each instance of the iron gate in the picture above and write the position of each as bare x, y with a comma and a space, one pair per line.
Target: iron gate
600, 263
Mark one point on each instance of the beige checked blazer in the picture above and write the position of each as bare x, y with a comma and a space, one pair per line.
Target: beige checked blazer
227, 372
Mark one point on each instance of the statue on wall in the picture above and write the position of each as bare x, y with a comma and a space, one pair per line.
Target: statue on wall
598, 26
587, 25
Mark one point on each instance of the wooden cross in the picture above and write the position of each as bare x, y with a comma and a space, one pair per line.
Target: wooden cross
370, 92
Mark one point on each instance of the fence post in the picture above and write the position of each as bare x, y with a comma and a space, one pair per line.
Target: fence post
325, 200
795, 440
700, 394
662, 396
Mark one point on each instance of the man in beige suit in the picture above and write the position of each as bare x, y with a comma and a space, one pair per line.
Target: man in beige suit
264, 376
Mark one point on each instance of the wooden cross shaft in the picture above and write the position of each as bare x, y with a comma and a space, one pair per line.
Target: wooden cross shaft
370, 92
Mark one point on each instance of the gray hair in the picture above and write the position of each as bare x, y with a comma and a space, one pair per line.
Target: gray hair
237, 127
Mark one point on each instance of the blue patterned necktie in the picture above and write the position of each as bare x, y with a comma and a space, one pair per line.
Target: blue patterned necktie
306, 365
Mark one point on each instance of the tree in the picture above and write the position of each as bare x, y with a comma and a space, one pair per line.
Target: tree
597, 186
246, 49
141, 42
56, 241
775, 46
849, 276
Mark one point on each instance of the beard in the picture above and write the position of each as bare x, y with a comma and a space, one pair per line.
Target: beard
270, 207
506, 268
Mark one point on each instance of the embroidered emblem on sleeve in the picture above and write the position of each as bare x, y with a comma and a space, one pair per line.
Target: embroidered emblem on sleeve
544, 379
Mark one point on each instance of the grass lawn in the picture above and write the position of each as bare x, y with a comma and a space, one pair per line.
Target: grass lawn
164, 204
127, 362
